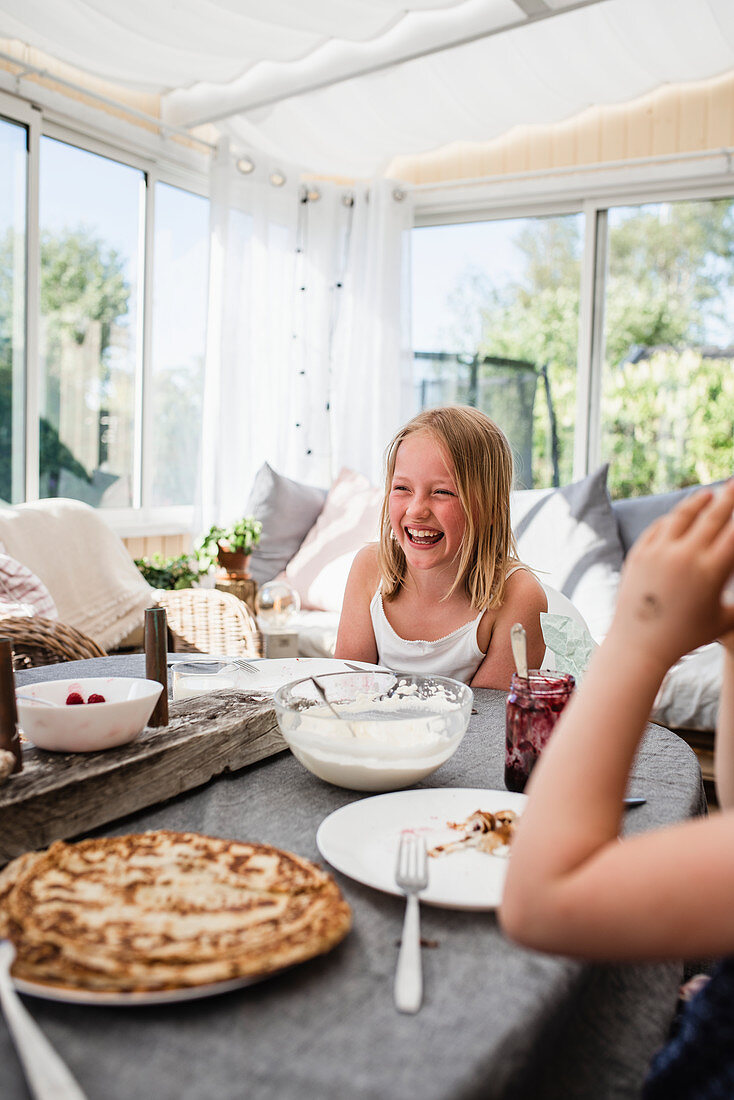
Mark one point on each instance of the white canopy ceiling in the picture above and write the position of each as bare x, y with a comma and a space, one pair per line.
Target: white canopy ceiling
343, 86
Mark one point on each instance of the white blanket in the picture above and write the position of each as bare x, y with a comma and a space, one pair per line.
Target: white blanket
93, 580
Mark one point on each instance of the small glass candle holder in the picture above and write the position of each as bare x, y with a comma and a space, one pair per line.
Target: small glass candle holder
533, 707
192, 678
277, 604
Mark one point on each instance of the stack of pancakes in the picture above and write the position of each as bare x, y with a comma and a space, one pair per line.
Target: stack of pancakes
163, 910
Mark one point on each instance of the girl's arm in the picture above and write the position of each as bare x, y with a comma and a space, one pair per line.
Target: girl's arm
724, 745
524, 601
355, 640
572, 885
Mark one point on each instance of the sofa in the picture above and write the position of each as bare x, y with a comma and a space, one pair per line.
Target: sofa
575, 537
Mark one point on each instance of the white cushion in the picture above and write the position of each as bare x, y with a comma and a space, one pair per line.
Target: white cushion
317, 632
349, 520
569, 537
689, 695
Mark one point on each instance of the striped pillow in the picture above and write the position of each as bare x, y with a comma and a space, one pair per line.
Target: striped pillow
22, 592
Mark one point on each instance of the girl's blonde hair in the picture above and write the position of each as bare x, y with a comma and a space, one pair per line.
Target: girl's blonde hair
482, 469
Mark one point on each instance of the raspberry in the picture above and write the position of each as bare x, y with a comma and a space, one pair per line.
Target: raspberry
94, 698
73, 699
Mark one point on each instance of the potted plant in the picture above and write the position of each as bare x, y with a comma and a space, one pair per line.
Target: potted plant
230, 547
170, 573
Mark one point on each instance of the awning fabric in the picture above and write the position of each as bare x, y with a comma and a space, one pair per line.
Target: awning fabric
343, 86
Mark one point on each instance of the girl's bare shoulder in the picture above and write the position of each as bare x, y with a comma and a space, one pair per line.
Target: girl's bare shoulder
524, 585
365, 570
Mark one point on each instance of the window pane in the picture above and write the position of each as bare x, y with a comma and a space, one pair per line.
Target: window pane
668, 378
90, 217
495, 324
181, 266
13, 175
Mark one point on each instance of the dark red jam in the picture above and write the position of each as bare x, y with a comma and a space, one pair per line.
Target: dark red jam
533, 707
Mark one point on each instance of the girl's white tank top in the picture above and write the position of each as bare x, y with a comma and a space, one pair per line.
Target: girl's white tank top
458, 654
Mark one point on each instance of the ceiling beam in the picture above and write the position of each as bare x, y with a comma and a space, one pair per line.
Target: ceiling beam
285, 80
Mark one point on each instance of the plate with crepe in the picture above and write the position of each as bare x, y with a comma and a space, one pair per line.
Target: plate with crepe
163, 916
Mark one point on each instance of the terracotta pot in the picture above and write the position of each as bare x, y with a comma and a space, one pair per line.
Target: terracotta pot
234, 562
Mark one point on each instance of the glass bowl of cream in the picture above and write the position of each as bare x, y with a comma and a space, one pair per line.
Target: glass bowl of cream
373, 731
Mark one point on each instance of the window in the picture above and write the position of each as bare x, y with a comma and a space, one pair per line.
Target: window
667, 396
498, 305
104, 260
90, 213
495, 324
13, 189
180, 282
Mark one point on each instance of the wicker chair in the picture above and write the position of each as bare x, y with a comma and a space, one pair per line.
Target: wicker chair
204, 620
200, 620
39, 641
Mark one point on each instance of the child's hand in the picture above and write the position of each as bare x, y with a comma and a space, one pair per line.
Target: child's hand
670, 596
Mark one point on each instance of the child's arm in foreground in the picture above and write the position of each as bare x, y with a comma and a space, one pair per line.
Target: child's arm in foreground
724, 746
355, 640
572, 886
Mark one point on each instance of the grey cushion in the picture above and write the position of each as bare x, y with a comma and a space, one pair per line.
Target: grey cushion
287, 510
637, 513
569, 536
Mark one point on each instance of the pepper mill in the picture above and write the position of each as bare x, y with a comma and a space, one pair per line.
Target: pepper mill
9, 739
156, 660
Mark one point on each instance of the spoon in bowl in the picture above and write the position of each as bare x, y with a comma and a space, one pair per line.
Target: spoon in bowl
519, 643
322, 696
33, 699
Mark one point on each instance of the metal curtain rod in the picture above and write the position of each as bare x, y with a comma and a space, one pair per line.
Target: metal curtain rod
167, 128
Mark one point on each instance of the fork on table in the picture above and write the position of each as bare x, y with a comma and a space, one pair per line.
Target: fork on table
411, 875
48, 1076
244, 666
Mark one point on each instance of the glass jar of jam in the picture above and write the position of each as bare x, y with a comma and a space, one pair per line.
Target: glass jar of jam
533, 707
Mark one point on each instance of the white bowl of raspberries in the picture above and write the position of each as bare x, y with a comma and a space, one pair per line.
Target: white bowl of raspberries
86, 715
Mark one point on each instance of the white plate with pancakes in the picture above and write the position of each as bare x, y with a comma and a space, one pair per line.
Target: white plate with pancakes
69, 995
159, 917
361, 840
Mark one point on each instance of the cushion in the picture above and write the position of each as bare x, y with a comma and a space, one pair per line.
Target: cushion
349, 520
317, 631
85, 566
287, 510
637, 513
22, 592
569, 537
689, 696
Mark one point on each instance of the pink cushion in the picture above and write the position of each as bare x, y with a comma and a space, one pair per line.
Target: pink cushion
22, 592
349, 520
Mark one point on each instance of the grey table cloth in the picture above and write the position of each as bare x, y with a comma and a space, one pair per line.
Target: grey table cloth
497, 1021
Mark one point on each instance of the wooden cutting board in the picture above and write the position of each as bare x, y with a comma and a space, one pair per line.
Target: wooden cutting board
60, 795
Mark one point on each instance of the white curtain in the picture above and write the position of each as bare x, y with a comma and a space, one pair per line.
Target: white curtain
371, 352
307, 359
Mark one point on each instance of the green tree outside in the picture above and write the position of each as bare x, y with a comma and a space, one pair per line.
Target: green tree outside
667, 402
82, 285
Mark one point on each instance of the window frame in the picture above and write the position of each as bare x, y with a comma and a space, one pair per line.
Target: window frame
141, 519
656, 180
